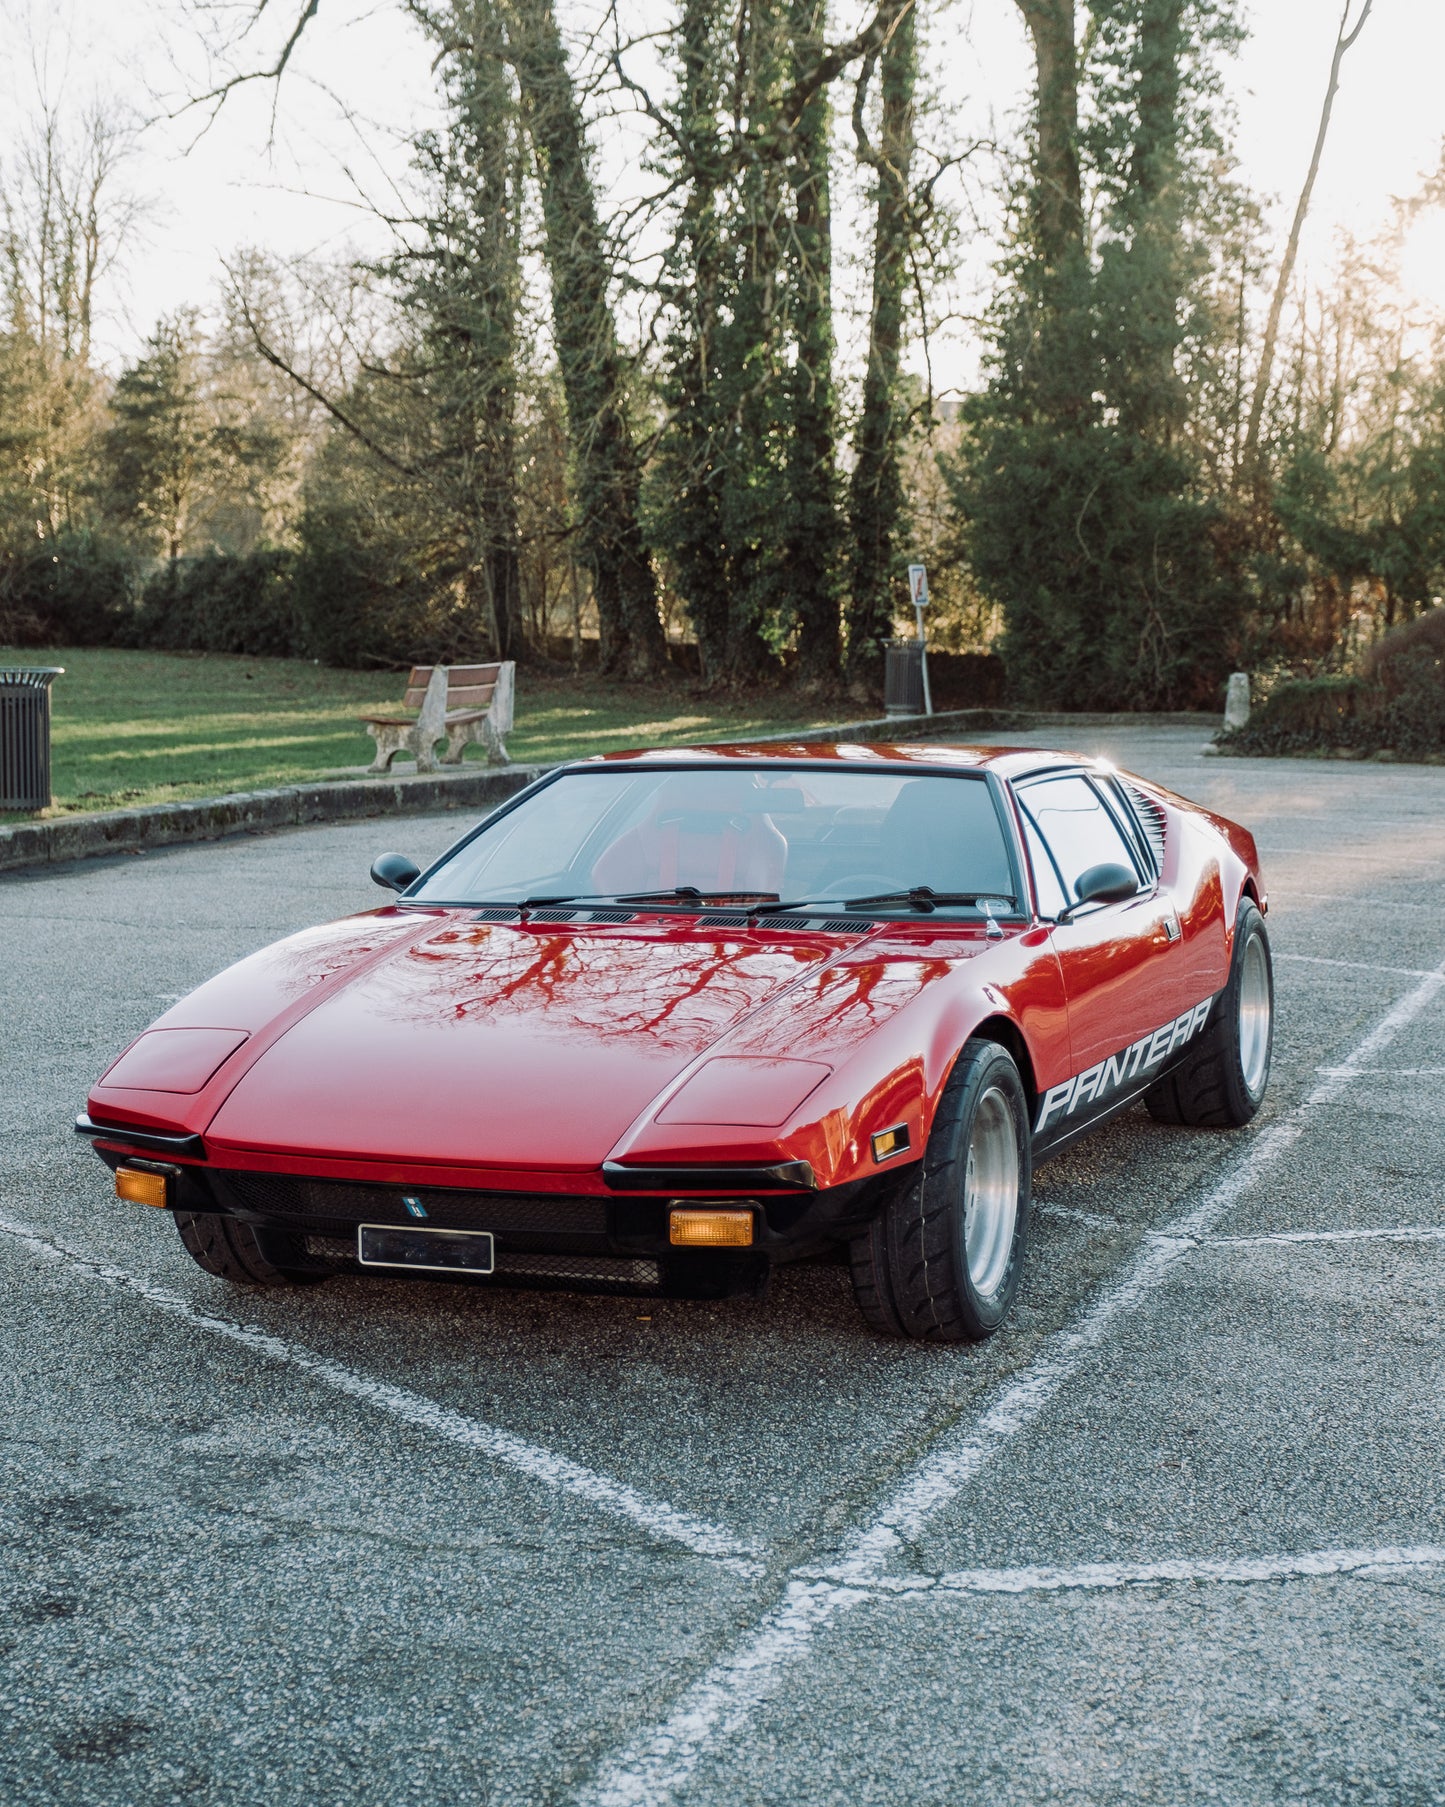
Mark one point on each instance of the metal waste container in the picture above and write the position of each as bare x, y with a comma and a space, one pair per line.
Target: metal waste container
25, 736
903, 677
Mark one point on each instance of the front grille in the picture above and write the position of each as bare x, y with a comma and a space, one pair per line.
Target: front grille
595, 1273
524, 1219
581, 1270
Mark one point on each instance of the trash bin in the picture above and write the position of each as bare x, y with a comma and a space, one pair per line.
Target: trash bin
25, 736
903, 677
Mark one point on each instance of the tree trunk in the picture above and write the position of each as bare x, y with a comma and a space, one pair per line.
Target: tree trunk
812, 558
608, 468
876, 497
1058, 203
693, 449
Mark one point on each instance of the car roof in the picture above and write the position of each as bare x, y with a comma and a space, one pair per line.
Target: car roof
1007, 762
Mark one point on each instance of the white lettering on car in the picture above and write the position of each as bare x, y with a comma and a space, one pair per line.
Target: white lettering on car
1098, 1084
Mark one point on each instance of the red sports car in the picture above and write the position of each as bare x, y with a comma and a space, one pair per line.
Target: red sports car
667, 1018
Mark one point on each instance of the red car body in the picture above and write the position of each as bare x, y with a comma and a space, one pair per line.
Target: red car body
417, 1050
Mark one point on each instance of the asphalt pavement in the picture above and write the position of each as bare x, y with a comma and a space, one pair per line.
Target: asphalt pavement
1178, 1533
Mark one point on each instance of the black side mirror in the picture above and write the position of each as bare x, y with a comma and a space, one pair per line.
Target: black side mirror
394, 871
1109, 883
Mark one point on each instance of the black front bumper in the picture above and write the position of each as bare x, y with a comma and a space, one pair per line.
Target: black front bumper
582, 1243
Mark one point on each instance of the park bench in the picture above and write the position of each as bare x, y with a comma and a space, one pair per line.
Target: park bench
463, 702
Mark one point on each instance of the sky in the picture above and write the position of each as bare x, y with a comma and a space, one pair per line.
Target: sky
290, 171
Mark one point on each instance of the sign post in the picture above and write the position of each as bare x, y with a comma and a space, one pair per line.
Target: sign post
918, 592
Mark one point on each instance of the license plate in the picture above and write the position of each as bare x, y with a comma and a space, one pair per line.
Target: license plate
435, 1251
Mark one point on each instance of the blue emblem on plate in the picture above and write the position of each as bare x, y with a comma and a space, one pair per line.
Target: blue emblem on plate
415, 1207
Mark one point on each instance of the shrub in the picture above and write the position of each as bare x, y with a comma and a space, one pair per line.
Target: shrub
73, 590
1397, 705
224, 603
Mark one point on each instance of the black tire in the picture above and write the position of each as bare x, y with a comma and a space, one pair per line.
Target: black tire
1222, 1082
237, 1251
911, 1266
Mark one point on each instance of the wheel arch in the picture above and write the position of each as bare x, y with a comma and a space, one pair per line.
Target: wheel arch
1006, 1032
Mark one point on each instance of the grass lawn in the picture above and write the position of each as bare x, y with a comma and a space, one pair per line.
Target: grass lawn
147, 727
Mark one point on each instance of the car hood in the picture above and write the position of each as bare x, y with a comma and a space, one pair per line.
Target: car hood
486, 1043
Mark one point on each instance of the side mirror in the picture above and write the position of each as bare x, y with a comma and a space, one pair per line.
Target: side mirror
1109, 883
394, 871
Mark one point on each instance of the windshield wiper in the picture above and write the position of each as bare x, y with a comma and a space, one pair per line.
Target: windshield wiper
924, 897
921, 897
688, 895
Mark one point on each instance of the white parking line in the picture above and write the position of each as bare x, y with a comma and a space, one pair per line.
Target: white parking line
650, 1769
556, 1471
1408, 1233
1294, 1566
1385, 1072
1362, 966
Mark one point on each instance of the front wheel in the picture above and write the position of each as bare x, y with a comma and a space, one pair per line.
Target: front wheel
943, 1258
236, 1251
1222, 1082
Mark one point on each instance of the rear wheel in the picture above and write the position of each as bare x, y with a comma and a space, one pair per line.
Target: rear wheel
1221, 1084
943, 1258
236, 1251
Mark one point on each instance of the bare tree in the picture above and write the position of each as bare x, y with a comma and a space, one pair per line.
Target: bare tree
1344, 39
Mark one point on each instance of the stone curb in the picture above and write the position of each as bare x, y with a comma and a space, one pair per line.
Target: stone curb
30, 844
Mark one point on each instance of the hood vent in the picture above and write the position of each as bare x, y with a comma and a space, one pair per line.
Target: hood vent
497, 916
551, 915
846, 925
786, 922
612, 916
724, 919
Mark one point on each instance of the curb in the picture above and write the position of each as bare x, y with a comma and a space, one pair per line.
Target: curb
26, 845
31, 844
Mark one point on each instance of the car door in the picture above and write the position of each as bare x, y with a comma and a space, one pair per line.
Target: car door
1124, 976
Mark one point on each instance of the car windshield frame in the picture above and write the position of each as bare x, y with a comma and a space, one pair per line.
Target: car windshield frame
1018, 908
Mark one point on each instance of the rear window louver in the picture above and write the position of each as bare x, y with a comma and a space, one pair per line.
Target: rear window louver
1151, 815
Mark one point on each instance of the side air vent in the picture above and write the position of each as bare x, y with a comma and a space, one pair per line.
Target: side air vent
497, 916
612, 916
1152, 816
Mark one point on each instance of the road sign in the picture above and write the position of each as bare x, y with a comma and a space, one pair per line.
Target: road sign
918, 585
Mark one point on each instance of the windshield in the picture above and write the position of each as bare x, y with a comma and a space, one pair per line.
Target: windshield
754, 835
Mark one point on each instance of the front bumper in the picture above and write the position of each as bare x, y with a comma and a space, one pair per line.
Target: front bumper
583, 1243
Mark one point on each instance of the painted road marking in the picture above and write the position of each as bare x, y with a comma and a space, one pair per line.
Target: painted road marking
1294, 1565
1409, 1233
655, 1517
1363, 966
650, 1768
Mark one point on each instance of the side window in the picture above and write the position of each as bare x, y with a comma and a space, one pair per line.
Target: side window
1046, 880
1128, 820
1070, 815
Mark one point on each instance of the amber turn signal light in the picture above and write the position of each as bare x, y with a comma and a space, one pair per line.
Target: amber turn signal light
890, 1142
141, 1188
710, 1229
